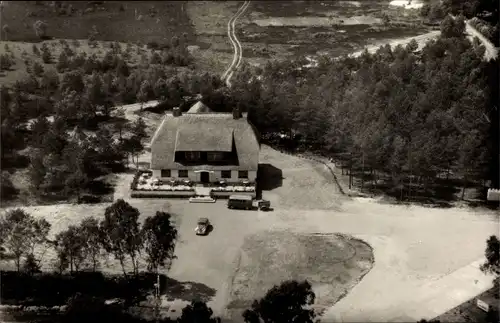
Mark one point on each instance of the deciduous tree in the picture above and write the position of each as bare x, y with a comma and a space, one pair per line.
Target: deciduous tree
23, 233
121, 233
92, 240
159, 236
70, 243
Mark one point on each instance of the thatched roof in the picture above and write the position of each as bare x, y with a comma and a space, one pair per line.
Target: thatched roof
207, 131
211, 137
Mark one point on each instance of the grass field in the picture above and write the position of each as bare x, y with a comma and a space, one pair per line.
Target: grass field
333, 264
116, 21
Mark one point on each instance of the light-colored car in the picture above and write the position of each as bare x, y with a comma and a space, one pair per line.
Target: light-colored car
202, 227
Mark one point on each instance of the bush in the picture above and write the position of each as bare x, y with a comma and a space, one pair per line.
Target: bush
5, 62
46, 57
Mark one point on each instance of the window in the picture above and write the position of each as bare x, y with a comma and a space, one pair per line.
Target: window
215, 156
192, 155
183, 173
165, 173
243, 174
225, 174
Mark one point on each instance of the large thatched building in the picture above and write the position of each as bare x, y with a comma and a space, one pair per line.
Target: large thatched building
204, 146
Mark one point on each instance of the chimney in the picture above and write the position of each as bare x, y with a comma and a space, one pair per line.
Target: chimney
176, 112
236, 113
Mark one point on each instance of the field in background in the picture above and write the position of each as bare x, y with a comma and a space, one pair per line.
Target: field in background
268, 30
22, 53
126, 21
280, 29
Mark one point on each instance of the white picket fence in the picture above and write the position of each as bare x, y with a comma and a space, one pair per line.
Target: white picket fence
493, 194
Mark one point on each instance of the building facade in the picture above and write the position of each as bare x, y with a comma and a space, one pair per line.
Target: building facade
205, 147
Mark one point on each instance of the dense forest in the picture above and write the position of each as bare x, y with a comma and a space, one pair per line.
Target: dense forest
410, 116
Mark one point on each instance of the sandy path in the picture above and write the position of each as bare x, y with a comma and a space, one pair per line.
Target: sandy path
421, 40
238, 51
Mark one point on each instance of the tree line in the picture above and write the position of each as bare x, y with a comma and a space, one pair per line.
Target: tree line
408, 114
118, 234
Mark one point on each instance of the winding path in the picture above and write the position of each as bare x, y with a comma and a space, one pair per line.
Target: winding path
238, 51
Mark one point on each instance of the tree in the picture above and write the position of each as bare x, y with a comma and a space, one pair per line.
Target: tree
39, 128
70, 243
133, 147
92, 243
283, 303
121, 123
73, 81
46, 56
144, 93
197, 312
159, 236
492, 253
37, 171
451, 27
38, 69
22, 233
138, 128
121, 234
5, 62
40, 28
31, 266
62, 62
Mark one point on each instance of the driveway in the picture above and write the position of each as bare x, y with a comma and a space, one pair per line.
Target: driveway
426, 260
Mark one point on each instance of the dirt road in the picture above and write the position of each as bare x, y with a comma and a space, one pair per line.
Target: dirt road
238, 51
491, 50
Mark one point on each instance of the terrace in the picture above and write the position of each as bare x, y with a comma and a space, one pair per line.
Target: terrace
144, 183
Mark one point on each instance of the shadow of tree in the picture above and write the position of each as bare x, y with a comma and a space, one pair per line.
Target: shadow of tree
186, 291
52, 289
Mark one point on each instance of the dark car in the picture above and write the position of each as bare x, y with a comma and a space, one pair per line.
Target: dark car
202, 227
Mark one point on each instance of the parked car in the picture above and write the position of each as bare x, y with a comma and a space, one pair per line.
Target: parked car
202, 227
242, 202
264, 205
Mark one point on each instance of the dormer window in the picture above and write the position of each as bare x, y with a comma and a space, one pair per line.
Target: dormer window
193, 155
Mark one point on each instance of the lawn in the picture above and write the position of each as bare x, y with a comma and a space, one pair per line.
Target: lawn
332, 263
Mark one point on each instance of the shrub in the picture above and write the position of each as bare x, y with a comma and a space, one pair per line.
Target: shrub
5, 62
38, 69
46, 57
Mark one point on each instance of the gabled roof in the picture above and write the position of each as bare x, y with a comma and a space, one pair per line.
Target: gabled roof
199, 107
207, 131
